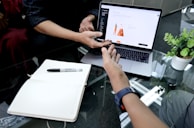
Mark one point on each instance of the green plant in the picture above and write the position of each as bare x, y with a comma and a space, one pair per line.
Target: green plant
182, 45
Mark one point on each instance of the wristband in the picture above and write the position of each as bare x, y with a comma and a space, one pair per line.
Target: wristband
119, 95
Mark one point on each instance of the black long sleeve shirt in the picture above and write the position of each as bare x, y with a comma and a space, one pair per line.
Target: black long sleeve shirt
67, 13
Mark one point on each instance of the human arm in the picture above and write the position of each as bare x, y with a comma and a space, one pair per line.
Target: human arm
141, 116
86, 38
55, 30
42, 19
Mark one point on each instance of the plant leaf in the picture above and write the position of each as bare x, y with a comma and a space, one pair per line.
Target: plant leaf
191, 54
190, 43
184, 52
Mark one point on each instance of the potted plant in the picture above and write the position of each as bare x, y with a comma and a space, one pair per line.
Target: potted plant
182, 48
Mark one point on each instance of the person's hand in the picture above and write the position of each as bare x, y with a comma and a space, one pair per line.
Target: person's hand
115, 73
88, 38
3, 23
86, 24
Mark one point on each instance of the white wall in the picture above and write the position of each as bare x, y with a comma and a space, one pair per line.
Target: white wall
167, 6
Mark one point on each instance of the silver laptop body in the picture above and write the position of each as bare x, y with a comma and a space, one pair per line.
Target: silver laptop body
128, 27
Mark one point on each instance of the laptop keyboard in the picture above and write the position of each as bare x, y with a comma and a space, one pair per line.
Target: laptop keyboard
133, 55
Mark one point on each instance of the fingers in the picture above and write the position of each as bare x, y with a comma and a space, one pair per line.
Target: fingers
102, 43
98, 44
114, 55
111, 53
97, 34
86, 24
118, 58
86, 28
105, 55
111, 50
90, 37
93, 34
105, 43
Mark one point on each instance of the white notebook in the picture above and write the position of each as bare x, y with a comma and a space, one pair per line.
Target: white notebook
52, 95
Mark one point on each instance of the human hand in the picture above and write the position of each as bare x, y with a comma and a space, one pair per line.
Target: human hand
115, 73
3, 22
86, 24
88, 38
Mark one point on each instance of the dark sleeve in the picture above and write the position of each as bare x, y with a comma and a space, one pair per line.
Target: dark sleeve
34, 11
94, 12
94, 7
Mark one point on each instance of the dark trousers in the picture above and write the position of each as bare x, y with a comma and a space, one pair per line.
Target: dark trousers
44, 46
177, 109
15, 51
15, 62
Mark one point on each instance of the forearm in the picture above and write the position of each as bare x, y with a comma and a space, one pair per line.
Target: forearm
52, 29
141, 116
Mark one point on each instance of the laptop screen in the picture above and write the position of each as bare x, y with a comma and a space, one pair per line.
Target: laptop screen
128, 25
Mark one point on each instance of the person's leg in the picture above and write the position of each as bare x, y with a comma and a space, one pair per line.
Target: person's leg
15, 62
18, 50
174, 105
187, 118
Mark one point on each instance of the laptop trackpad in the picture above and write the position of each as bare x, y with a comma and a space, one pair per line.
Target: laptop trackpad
135, 67
126, 64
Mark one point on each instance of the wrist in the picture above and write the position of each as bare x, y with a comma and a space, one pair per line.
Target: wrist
77, 37
119, 81
121, 94
117, 88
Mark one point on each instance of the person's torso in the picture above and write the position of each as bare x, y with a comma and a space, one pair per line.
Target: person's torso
66, 13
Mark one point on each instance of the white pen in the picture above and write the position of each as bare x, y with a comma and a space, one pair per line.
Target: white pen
64, 70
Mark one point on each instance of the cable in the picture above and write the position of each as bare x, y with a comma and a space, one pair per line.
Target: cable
48, 125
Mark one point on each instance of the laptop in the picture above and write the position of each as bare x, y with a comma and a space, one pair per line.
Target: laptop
132, 29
